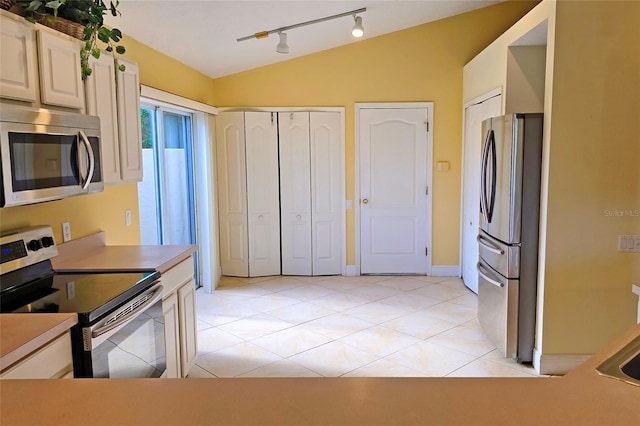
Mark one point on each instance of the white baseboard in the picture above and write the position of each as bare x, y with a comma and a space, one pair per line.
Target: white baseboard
445, 270
557, 363
351, 271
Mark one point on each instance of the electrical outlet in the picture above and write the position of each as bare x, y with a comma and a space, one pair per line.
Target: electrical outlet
66, 232
127, 217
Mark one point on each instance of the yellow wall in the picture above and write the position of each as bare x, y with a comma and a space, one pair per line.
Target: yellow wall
106, 211
594, 159
422, 63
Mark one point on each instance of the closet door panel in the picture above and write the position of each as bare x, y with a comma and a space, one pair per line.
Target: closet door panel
232, 204
263, 202
326, 199
295, 193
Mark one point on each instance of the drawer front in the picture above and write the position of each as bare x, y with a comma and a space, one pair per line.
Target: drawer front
176, 276
50, 362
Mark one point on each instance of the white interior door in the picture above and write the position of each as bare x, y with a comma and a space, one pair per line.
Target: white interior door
393, 190
263, 197
295, 193
326, 192
232, 194
474, 116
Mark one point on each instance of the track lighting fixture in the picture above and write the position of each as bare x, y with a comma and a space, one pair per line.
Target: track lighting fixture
282, 47
357, 31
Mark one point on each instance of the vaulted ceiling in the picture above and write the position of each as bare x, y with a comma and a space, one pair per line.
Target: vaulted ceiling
203, 33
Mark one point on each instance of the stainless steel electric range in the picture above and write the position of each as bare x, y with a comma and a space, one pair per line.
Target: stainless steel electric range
120, 330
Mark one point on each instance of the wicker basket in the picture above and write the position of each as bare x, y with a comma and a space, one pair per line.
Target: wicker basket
6, 4
64, 26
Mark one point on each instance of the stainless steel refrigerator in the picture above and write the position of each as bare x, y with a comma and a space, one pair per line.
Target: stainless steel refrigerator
508, 236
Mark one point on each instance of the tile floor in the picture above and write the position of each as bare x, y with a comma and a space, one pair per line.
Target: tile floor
368, 326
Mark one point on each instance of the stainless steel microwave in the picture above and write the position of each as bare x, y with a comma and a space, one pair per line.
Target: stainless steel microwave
47, 155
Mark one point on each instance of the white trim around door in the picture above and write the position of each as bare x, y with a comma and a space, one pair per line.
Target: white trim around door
359, 107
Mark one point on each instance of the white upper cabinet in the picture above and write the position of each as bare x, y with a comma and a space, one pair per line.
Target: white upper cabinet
128, 97
18, 64
101, 101
60, 75
113, 95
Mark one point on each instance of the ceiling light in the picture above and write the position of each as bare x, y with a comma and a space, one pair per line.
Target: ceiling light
357, 30
282, 47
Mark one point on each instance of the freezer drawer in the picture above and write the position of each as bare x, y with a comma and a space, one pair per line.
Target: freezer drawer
505, 259
498, 309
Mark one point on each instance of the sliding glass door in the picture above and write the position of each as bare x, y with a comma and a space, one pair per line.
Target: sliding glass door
166, 194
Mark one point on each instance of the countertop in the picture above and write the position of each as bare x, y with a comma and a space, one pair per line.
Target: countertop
91, 254
21, 334
582, 397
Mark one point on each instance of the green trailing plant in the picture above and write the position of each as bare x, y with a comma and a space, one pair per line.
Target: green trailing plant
89, 13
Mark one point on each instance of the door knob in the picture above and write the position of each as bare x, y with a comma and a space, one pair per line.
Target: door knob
365, 201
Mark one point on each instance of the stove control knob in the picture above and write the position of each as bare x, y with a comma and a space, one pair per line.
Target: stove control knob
47, 241
34, 245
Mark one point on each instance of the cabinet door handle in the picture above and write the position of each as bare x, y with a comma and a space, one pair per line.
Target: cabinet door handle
365, 201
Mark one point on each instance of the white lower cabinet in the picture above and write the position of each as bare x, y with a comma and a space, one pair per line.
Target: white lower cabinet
188, 326
51, 361
172, 335
179, 310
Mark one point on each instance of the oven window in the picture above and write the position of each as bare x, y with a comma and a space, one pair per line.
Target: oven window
135, 350
40, 161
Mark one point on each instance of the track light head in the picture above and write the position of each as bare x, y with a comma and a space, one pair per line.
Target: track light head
282, 47
358, 30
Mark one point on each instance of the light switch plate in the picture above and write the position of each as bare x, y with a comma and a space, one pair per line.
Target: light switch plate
66, 232
629, 243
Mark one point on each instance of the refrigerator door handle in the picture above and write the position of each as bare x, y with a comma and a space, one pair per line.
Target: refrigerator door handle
483, 273
491, 149
483, 178
487, 244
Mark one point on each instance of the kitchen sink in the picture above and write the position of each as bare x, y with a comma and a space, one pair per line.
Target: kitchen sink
624, 365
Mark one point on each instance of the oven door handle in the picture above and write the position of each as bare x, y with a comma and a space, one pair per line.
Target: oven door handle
156, 295
92, 160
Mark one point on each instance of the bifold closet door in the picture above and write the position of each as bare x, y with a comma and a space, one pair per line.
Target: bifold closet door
310, 193
262, 193
295, 193
326, 192
232, 194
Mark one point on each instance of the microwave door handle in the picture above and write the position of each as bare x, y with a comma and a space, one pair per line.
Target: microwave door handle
483, 274
157, 294
87, 145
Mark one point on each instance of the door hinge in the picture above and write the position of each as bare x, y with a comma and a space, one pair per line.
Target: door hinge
427, 191
272, 119
427, 124
426, 251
